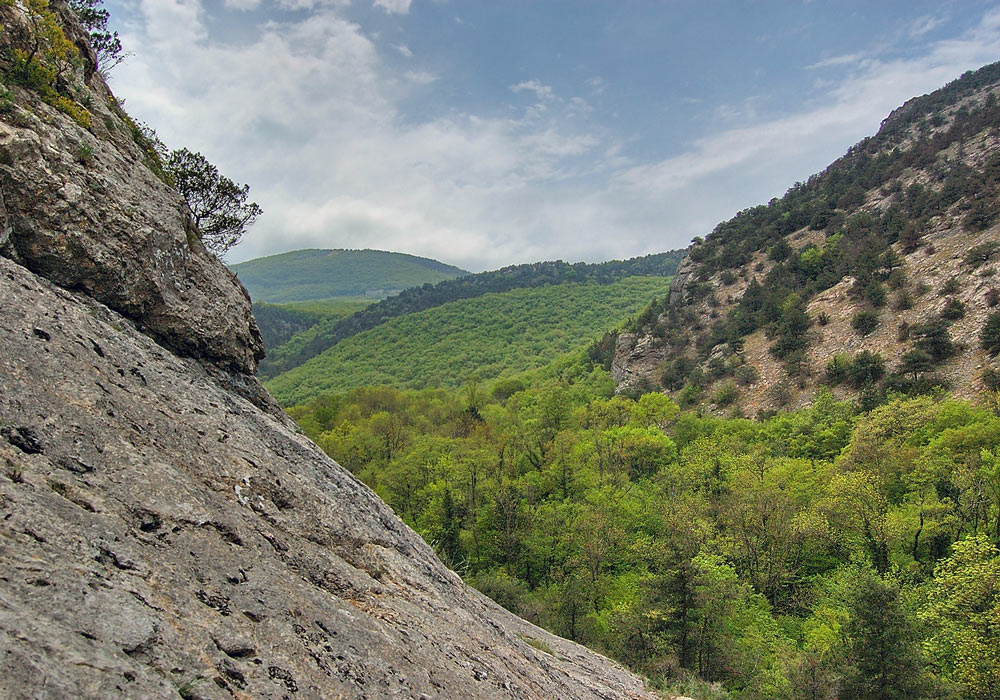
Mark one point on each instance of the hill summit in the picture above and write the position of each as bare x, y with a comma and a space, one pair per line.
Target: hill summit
304, 275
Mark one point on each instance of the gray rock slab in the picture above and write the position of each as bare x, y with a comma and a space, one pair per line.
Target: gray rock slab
161, 535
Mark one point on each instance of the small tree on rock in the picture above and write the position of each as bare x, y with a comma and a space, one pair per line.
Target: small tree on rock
106, 44
219, 206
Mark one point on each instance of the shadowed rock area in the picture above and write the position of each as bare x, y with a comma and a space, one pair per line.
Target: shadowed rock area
165, 531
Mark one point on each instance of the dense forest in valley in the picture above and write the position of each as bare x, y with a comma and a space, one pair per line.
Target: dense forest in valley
848, 549
489, 335
823, 553
278, 323
328, 333
306, 275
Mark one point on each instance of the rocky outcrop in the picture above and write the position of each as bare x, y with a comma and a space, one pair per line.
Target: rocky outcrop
637, 362
82, 207
685, 270
165, 531
639, 356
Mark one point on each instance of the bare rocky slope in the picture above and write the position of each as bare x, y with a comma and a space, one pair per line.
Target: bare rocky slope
903, 229
165, 531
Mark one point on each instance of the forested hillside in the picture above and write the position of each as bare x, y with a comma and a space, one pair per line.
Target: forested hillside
304, 275
489, 336
328, 333
877, 275
848, 548
822, 553
279, 322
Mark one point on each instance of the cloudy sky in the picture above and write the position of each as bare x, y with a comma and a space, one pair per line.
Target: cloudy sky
491, 132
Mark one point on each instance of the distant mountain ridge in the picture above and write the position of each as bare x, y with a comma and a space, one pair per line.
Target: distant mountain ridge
306, 275
329, 332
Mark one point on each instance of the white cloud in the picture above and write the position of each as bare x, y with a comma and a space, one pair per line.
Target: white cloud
310, 114
598, 85
420, 77
310, 4
808, 140
403, 49
842, 60
394, 7
542, 92
923, 25
182, 17
307, 114
744, 112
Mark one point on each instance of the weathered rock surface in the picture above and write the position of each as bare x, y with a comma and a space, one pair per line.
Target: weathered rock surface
82, 208
637, 362
160, 534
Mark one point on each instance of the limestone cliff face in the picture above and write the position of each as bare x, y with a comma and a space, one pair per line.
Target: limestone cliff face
161, 535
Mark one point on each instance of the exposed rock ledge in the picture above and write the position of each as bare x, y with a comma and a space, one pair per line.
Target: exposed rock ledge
160, 535
81, 208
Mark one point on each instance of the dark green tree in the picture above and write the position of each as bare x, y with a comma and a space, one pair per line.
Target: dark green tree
910, 239
934, 339
866, 368
218, 205
953, 310
865, 322
780, 250
915, 362
989, 337
884, 663
874, 293
450, 527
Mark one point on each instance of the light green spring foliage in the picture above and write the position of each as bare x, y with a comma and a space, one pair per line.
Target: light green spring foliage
492, 335
963, 610
44, 60
326, 308
822, 553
